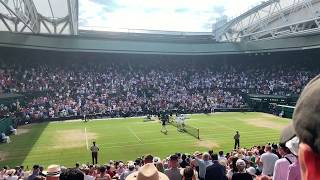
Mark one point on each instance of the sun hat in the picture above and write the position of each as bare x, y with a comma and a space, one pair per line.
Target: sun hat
293, 145
147, 172
54, 170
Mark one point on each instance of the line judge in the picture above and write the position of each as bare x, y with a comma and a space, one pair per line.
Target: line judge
94, 153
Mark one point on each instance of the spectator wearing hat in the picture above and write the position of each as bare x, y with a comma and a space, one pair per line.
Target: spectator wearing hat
281, 166
242, 173
294, 168
306, 125
35, 172
267, 161
215, 171
147, 172
53, 172
173, 172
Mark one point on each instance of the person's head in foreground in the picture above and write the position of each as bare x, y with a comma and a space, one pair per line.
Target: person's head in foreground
72, 174
306, 125
188, 173
147, 172
53, 172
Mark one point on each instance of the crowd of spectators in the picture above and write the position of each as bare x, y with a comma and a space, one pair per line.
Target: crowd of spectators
242, 163
129, 90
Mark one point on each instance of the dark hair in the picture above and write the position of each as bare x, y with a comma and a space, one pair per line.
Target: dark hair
102, 169
188, 173
220, 153
183, 157
214, 157
148, 158
36, 166
174, 157
71, 174
234, 164
210, 152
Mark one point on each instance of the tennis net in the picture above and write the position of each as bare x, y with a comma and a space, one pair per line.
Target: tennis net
193, 131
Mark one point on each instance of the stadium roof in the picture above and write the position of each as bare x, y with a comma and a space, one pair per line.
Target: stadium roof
267, 20
39, 16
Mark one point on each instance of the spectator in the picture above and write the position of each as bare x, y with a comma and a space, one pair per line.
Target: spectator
71, 174
53, 172
306, 122
147, 172
188, 174
173, 172
148, 159
203, 163
11, 175
221, 156
102, 174
267, 161
130, 170
241, 174
35, 172
184, 163
282, 165
215, 171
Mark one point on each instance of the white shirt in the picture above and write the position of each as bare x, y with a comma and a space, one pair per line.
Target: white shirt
94, 149
268, 160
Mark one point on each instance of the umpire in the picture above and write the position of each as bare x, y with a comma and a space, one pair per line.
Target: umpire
94, 152
236, 140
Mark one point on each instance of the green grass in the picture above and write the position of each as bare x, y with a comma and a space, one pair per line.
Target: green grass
64, 142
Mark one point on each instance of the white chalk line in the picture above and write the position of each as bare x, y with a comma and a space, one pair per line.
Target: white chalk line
85, 132
134, 134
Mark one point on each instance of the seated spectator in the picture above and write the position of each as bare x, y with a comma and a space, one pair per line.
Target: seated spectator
35, 172
184, 163
188, 173
173, 172
241, 174
71, 174
130, 170
102, 174
215, 171
147, 172
10, 175
221, 156
53, 172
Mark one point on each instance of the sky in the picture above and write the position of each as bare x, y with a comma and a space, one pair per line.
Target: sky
167, 15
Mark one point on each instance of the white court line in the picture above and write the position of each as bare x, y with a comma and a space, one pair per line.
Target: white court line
134, 134
85, 132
